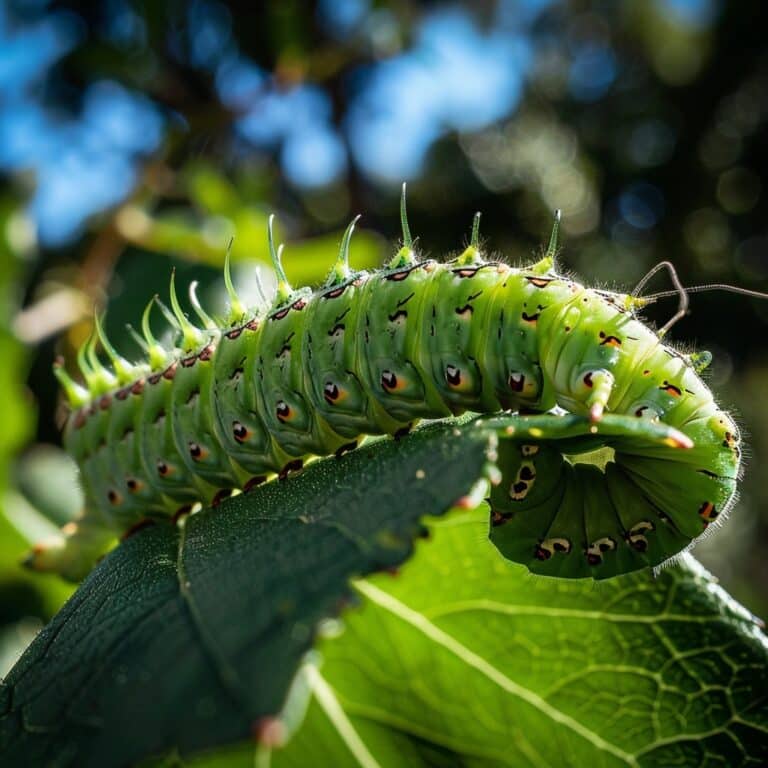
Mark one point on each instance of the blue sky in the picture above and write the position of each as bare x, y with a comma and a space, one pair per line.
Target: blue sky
454, 76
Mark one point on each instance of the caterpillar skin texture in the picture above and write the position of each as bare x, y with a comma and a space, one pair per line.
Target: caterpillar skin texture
372, 353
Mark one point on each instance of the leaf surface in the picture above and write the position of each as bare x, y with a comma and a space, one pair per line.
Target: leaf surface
465, 659
187, 638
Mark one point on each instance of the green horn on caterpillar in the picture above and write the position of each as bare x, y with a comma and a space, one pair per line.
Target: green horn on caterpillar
406, 256
284, 290
341, 272
237, 310
191, 336
472, 253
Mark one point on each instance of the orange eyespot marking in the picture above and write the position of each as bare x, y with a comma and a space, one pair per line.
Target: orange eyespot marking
646, 372
671, 389
389, 381
283, 411
240, 432
539, 282
707, 512
332, 393
114, 497
453, 375
197, 452
134, 485
532, 319
609, 341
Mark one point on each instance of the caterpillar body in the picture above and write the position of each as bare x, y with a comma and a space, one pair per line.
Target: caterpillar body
237, 402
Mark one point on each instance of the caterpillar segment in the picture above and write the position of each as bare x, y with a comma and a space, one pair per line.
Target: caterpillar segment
239, 401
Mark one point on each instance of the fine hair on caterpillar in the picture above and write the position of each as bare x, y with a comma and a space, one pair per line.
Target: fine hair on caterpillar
572, 371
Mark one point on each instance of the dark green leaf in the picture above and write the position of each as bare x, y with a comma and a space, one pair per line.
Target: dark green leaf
188, 638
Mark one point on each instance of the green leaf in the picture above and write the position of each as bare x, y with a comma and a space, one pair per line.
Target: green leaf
189, 638
465, 659
192, 645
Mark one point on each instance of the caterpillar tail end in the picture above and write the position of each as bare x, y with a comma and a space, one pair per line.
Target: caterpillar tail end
71, 555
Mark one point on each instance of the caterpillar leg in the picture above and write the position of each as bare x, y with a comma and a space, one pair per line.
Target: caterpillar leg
73, 554
595, 386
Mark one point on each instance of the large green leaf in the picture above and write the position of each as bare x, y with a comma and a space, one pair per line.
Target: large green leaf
180, 642
464, 659
189, 638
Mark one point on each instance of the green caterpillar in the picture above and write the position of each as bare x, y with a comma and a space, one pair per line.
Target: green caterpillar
370, 353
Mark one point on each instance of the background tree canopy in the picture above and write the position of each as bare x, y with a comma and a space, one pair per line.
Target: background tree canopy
137, 136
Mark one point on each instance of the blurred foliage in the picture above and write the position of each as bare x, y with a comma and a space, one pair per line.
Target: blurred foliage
138, 136
24, 600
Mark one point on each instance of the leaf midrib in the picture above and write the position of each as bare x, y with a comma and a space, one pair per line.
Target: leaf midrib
224, 671
434, 633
